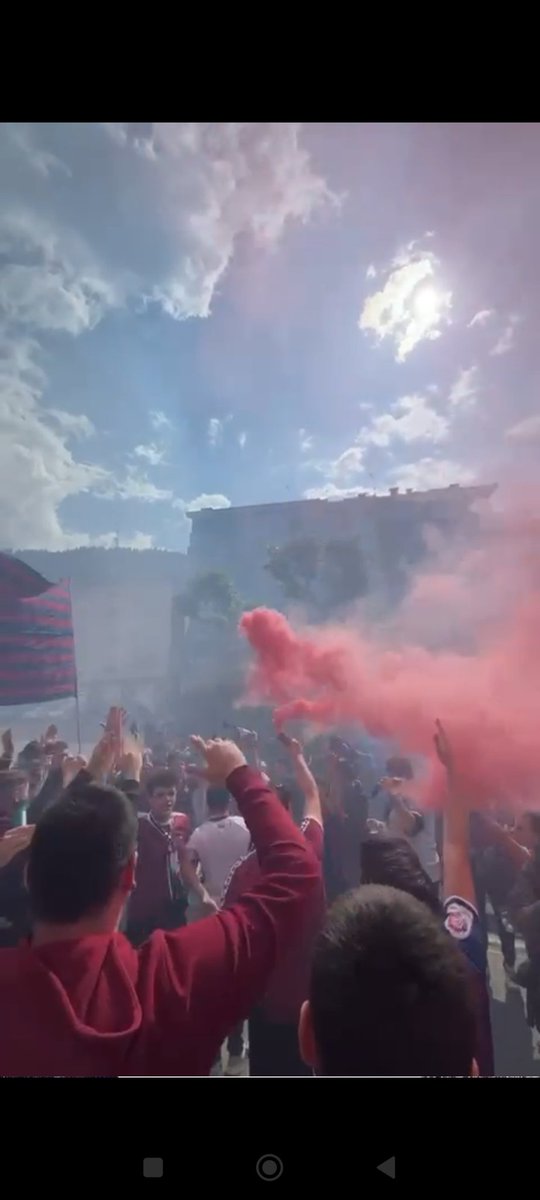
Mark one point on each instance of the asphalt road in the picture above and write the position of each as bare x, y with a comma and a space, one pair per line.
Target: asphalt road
515, 1051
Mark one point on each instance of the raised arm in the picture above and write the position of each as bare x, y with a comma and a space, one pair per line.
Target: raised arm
188, 860
305, 779
8, 751
457, 870
225, 961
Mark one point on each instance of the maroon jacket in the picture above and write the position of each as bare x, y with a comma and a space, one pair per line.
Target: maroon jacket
288, 985
156, 863
96, 1006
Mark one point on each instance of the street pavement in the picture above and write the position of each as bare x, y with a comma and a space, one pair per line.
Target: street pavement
516, 1049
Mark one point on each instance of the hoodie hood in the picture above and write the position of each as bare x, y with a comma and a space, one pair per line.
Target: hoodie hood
83, 993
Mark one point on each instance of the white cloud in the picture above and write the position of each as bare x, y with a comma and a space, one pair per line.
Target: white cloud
464, 391
480, 318
51, 298
305, 441
242, 439
151, 453
137, 487
429, 473
50, 280
215, 430
158, 420
410, 307
414, 421
40, 161
348, 464
371, 272
110, 541
507, 339
206, 501
526, 430
69, 257
139, 541
37, 470
329, 491
75, 425
211, 183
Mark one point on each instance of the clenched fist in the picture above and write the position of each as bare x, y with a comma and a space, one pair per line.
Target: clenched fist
221, 758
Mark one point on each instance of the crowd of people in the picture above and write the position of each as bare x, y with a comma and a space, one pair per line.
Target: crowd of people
192, 909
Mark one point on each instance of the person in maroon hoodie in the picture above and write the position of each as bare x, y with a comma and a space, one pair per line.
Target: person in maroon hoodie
77, 999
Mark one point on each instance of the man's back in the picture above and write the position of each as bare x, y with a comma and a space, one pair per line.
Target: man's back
218, 844
92, 1005
99, 1007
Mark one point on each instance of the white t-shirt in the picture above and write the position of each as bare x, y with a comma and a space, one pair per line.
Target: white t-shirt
218, 845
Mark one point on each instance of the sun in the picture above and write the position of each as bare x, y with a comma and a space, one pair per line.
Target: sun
427, 303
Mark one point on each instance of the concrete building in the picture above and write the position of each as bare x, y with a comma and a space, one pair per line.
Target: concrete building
390, 530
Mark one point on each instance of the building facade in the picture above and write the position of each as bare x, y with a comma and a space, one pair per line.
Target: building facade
390, 531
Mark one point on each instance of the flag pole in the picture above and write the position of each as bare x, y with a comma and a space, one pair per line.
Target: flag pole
77, 705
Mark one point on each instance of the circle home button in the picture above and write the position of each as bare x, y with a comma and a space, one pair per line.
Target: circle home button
269, 1167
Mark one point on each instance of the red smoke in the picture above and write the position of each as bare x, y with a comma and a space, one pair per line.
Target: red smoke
487, 697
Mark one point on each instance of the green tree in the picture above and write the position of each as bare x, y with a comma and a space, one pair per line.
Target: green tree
295, 567
325, 575
210, 596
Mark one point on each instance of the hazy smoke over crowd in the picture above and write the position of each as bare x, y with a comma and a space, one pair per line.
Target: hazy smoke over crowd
394, 680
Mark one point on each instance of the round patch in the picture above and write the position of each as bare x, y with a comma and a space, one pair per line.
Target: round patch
459, 921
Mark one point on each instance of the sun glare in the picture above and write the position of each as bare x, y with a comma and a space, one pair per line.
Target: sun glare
427, 302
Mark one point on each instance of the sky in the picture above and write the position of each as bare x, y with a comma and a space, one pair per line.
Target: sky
200, 315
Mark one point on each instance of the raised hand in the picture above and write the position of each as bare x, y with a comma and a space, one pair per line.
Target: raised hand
221, 757
131, 759
103, 757
292, 744
443, 747
71, 766
8, 744
14, 841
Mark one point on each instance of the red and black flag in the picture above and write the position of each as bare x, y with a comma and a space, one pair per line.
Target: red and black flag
37, 648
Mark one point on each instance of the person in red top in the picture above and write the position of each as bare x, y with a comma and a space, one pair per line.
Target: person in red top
273, 1024
77, 999
159, 900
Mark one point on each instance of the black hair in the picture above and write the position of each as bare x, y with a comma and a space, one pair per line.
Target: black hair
162, 778
31, 753
390, 991
217, 799
79, 849
399, 768
391, 861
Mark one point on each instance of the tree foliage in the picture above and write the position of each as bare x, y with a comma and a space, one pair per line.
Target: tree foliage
210, 596
294, 566
325, 575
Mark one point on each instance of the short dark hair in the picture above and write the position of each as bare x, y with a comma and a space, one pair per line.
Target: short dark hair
399, 768
217, 799
164, 778
79, 849
391, 861
390, 991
